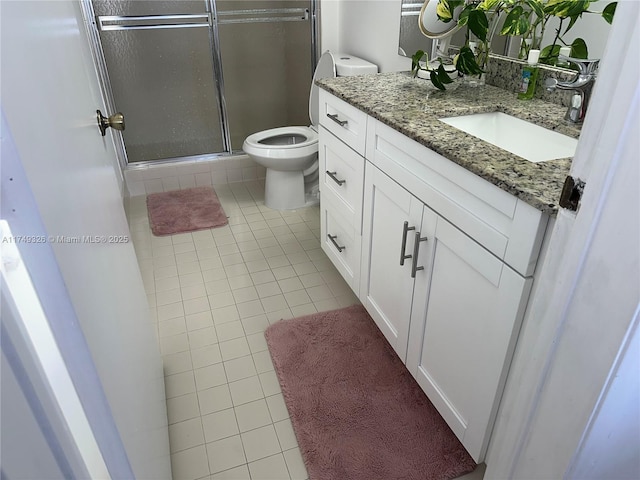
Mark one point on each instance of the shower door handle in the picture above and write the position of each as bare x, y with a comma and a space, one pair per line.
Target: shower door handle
115, 121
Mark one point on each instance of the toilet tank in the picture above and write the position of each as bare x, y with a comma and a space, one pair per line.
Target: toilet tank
349, 65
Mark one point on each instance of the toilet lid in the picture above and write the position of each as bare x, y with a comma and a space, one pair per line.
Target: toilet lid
326, 69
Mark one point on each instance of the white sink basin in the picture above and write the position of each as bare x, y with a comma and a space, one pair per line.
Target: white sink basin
527, 140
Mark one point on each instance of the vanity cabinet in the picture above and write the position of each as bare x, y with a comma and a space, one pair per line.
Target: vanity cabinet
446, 267
341, 144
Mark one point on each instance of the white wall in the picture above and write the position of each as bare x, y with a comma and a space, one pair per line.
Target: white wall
591, 27
366, 28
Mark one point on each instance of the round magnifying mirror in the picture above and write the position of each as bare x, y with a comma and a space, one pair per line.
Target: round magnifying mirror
431, 26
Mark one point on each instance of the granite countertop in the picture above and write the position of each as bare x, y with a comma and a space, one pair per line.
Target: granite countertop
412, 106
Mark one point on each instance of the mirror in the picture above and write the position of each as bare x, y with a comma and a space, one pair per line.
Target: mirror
592, 28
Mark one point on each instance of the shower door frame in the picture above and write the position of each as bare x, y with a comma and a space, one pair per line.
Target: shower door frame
213, 22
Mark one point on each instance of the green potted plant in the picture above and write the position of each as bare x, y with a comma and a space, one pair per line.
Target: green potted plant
525, 18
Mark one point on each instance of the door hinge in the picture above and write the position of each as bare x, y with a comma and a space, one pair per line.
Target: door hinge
571, 193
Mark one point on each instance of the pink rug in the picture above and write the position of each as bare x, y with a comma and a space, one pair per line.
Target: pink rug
357, 412
182, 211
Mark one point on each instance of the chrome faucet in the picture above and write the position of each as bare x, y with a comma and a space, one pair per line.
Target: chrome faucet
581, 85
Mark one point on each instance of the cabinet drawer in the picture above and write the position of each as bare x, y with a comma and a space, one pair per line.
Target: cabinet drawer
343, 120
509, 228
341, 176
341, 244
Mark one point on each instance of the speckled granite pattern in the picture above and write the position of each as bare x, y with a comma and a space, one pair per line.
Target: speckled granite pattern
412, 107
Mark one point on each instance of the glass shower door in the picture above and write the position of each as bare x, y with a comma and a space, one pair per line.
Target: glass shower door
267, 59
159, 59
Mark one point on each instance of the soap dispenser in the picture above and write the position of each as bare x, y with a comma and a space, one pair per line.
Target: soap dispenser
529, 76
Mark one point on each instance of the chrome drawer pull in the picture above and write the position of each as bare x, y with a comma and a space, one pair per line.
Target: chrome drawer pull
334, 117
335, 244
334, 178
405, 229
416, 248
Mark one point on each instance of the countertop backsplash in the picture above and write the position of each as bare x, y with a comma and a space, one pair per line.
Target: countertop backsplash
505, 73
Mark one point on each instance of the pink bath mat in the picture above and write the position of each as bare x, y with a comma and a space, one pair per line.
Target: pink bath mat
357, 412
182, 211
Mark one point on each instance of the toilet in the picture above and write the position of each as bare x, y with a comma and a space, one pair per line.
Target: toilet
290, 154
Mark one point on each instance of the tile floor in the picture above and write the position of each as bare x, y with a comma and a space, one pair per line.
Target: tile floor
212, 294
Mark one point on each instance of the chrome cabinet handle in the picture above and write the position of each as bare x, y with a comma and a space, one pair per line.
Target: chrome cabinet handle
334, 178
335, 244
403, 250
416, 248
334, 117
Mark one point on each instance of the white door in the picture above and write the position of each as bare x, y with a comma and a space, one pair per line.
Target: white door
50, 95
391, 219
467, 311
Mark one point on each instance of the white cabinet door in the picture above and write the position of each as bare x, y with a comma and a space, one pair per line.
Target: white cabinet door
386, 287
467, 311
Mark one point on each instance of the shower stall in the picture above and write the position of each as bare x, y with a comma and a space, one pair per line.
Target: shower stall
194, 78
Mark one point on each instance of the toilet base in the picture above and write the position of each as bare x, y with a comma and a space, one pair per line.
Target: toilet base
284, 190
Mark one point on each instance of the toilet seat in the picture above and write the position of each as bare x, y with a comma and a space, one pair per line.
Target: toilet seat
261, 139
255, 143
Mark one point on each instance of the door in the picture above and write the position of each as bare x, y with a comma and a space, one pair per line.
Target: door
391, 218
467, 310
50, 94
160, 61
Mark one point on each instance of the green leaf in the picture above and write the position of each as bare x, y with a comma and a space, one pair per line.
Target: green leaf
549, 54
415, 61
516, 22
579, 49
465, 62
444, 10
566, 8
609, 11
536, 7
443, 76
436, 81
479, 24
487, 5
463, 18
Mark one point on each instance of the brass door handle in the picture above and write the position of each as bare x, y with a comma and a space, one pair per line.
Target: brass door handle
115, 121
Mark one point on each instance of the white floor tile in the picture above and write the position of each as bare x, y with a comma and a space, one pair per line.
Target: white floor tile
270, 384
225, 454
260, 443
277, 407
256, 324
270, 468
253, 415
237, 473
246, 390
177, 363
186, 434
200, 320
218, 425
295, 464
203, 337
240, 368
286, 437
184, 407
214, 399
205, 356
235, 348
190, 464
173, 326
210, 376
